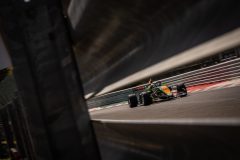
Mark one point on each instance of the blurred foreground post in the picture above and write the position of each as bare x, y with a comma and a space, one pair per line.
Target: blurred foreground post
47, 78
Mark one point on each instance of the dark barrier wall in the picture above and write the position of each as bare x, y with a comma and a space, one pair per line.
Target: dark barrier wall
114, 39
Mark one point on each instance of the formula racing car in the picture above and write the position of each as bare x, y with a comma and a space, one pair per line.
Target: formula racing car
156, 92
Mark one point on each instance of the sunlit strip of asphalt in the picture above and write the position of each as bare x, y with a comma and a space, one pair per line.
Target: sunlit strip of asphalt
216, 45
186, 121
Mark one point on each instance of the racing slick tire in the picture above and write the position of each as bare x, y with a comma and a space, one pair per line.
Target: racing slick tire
132, 100
182, 90
146, 99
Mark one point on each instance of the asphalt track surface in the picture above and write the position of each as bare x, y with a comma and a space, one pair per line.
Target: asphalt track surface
204, 125
220, 104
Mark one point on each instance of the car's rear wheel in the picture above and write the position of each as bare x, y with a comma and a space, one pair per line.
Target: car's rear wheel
132, 100
146, 99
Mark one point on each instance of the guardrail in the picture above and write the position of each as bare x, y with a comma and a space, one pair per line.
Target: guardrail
220, 72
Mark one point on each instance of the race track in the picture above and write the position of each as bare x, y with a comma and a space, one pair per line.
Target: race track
221, 104
204, 125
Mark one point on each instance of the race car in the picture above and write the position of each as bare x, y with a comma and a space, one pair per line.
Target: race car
156, 92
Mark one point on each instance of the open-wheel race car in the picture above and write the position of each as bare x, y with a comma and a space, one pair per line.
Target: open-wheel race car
156, 92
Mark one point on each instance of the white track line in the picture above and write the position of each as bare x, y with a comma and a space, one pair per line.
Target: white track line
186, 121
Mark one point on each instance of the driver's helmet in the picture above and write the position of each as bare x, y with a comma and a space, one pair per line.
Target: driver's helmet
150, 81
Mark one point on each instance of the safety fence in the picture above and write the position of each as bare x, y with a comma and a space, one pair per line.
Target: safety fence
220, 72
